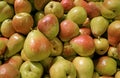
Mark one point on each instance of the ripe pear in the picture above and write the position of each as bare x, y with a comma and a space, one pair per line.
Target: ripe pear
84, 67
22, 22
55, 8
6, 11
106, 65
49, 26
77, 14
6, 28
9, 71
114, 33
68, 30
99, 25
101, 45
14, 45
62, 68
85, 30
22, 6
36, 46
83, 45
57, 47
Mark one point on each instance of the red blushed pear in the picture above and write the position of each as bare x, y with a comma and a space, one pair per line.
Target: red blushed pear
68, 30
22, 23
22, 6
36, 46
49, 26
114, 33
83, 45
67, 4
9, 71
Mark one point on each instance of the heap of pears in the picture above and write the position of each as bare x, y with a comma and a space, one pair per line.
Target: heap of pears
59, 39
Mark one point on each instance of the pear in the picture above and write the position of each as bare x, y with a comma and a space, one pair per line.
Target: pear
101, 45
22, 6
83, 45
77, 14
84, 67
49, 26
106, 65
54, 7
9, 71
95, 75
6, 28
65, 68
6, 11
98, 26
114, 33
57, 47
22, 22
68, 30
14, 45
36, 46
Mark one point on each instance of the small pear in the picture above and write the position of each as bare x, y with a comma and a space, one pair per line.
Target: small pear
99, 25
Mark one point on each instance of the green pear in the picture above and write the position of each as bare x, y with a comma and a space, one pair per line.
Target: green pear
62, 68
49, 26
77, 14
6, 28
113, 33
3, 45
106, 65
55, 8
14, 45
113, 52
9, 71
105, 12
36, 46
6, 11
22, 6
101, 45
31, 70
99, 25
117, 74
68, 30
57, 47
83, 45
84, 67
